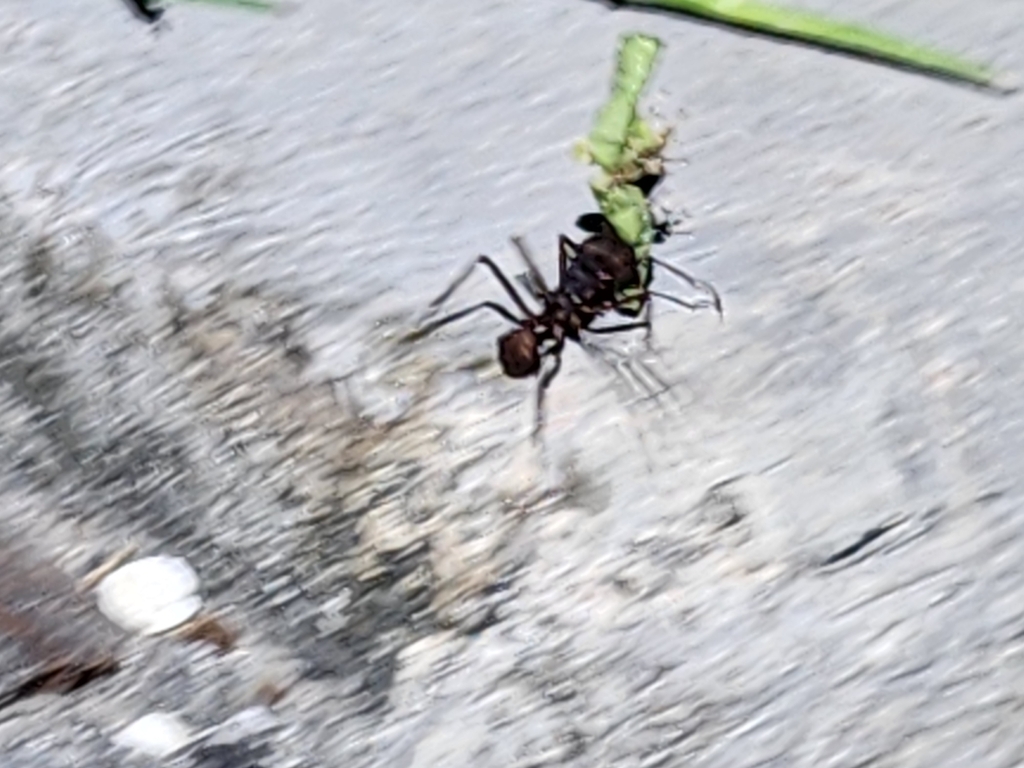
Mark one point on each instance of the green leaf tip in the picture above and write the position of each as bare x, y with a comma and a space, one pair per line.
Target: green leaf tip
808, 27
617, 131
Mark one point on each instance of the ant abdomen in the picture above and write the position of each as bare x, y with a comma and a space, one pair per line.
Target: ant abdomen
518, 353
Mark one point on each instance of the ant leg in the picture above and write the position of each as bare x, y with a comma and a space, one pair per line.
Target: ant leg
620, 327
565, 247
429, 328
700, 304
453, 286
694, 305
497, 274
508, 286
542, 385
636, 367
531, 265
627, 370
649, 319
715, 300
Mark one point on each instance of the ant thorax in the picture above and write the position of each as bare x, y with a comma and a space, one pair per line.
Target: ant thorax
564, 316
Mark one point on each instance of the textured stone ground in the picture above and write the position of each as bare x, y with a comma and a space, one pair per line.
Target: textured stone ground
214, 236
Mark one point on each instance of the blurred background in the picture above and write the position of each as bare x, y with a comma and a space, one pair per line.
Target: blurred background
809, 553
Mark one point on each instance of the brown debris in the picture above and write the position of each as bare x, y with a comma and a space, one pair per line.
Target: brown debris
51, 640
269, 694
209, 629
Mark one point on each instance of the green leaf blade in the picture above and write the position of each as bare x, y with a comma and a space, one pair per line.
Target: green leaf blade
615, 122
805, 26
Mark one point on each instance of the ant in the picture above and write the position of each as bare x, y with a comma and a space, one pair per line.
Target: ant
592, 279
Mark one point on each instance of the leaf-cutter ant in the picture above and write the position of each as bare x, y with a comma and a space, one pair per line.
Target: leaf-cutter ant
597, 276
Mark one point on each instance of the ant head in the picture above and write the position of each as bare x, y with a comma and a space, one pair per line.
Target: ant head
519, 354
610, 254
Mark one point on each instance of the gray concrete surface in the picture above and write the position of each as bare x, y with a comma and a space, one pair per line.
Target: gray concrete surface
213, 236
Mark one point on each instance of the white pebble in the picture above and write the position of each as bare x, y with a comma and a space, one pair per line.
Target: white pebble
151, 595
157, 734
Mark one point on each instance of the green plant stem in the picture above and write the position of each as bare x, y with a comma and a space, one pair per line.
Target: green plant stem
811, 28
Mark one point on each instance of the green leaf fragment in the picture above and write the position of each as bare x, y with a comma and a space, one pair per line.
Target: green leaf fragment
626, 208
626, 147
642, 140
813, 28
617, 124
